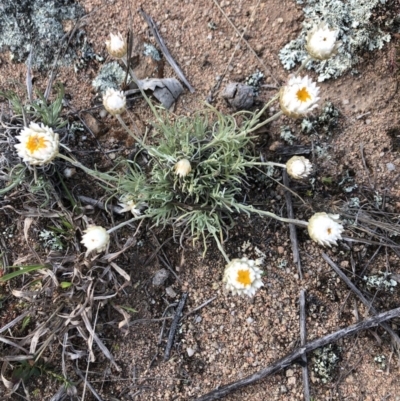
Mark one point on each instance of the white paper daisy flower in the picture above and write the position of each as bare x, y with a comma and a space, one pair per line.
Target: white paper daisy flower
298, 167
242, 277
116, 46
298, 97
182, 168
322, 42
114, 101
325, 229
128, 204
96, 238
38, 145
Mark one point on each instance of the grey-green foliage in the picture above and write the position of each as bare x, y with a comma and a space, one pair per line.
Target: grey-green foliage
201, 203
37, 25
357, 33
40, 109
111, 75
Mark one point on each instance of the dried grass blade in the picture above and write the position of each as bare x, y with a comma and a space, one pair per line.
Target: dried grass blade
14, 322
122, 272
13, 344
35, 339
103, 348
7, 384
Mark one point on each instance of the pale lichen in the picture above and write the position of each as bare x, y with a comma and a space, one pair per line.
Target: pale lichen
357, 32
37, 26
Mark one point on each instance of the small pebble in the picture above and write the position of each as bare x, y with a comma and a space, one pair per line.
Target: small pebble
160, 277
170, 292
190, 352
390, 166
346, 101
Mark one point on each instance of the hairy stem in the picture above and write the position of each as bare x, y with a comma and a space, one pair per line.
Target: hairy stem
124, 223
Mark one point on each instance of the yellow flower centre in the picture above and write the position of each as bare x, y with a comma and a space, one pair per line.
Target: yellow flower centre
303, 95
329, 230
36, 142
243, 277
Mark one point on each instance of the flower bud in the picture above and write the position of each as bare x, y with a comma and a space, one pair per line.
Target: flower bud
114, 101
96, 238
325, 229
183, 168
116, 46
298, 167
321, 42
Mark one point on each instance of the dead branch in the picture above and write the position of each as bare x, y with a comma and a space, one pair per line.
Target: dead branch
292, 227
174, 326
296, 355
164, 49
368, 304
303, 339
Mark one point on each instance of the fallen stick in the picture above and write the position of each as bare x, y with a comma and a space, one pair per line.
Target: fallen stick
174, 326
165, 50
292, 227
368, 304
296, 355
303, 339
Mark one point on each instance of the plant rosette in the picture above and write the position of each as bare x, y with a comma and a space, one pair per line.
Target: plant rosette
298, 97
96, 238
325, 229
322, 42
242, 277
38, 146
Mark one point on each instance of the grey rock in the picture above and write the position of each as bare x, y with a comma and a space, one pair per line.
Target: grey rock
160, 277
239, 96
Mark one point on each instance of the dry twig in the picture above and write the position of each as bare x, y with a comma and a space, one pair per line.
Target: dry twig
164, 49
174, 326
303, 337
292, 227
296, 355
373, 311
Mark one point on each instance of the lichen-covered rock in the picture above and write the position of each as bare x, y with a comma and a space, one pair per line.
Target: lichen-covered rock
357, 33
36, 25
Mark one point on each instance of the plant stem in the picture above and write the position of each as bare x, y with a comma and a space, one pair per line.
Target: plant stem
220, 247
268, 120
104, 177
265, 164
128, 130
126, 223
251, 209
303, 64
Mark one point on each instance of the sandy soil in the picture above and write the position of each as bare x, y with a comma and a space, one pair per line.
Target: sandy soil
233, 337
